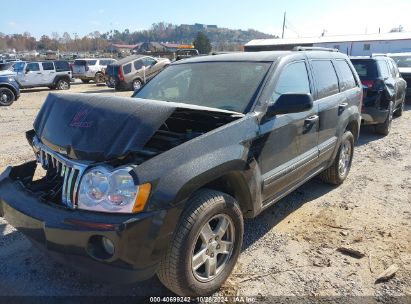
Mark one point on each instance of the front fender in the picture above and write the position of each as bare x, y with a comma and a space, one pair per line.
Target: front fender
177, 173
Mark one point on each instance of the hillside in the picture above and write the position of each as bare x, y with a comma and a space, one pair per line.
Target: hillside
185, 33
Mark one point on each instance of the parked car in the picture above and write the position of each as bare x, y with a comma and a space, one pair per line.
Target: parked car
385, 91
160, 183
91, 69
9, 90
53, 74
132, 72
6, 69
186, 53
403, 61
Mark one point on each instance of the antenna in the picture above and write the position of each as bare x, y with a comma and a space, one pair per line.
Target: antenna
282, 36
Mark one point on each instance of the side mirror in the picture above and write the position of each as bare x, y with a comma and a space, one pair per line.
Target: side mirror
291, 103
27, 70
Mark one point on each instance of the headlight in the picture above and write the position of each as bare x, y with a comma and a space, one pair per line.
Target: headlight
107, 190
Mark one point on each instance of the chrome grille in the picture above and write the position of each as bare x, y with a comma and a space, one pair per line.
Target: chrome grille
70, 172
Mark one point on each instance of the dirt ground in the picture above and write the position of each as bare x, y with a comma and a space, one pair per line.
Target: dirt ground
289, 250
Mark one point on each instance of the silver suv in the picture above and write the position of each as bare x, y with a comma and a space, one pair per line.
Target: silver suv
91, 69
52, 74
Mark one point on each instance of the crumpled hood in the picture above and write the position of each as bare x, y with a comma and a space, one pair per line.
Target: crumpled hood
97, 128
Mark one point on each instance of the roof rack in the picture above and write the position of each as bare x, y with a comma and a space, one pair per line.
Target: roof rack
312, 48
378, 55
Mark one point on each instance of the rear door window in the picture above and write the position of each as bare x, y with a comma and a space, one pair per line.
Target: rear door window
47, 66
383, 67
325, 78
293, 79
346, 76
127, 69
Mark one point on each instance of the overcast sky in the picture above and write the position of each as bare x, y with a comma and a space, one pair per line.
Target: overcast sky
304, 18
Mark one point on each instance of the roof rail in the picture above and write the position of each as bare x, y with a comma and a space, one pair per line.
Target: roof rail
378, 55
312, 48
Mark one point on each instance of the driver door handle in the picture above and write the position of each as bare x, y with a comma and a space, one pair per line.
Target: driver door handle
309, 122
312, 119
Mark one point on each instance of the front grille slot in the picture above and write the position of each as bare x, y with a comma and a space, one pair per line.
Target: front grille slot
56, 165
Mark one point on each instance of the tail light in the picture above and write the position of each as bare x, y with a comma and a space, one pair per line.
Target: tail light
120, 74
368, 83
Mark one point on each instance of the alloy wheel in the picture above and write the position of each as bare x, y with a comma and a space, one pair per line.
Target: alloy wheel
213, 248
345, 158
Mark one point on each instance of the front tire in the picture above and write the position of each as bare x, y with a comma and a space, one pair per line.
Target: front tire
205, 247
338, 172
7, 97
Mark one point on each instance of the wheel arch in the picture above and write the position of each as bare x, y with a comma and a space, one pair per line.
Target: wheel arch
10, 87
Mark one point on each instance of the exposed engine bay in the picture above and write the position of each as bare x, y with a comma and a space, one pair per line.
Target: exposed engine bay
114, 132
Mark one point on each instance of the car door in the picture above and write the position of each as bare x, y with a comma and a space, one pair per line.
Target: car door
400, 82
48, 72
389, 81
287, 146
151, 66
139, 72
331, 104
32, 75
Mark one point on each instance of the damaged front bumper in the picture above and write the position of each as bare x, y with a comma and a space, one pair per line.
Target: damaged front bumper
76, 237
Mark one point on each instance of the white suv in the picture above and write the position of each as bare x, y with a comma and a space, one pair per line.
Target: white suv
52, 74
91, 69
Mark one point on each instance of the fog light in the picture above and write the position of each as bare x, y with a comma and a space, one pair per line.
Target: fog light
108, 246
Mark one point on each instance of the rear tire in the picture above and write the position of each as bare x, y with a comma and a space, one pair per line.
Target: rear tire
338, 172
137, 84
385, 127
99, 78
7, 97
205, 246
63, 84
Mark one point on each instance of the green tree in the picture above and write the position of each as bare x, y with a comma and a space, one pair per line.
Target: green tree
202, 43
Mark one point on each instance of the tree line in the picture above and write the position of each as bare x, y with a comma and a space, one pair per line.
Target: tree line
222, 39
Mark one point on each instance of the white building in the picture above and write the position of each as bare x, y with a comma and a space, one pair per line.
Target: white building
353, 45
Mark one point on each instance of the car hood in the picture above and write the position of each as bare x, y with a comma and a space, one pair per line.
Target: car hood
7, 73
98, 128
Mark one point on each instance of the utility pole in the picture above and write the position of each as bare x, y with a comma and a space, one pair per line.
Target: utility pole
282, 36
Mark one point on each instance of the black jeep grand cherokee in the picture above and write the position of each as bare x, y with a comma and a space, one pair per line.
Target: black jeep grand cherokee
159, 184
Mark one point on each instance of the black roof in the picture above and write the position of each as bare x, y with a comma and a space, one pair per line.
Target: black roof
264, 56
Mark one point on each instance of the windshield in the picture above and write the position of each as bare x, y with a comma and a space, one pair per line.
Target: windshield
402, 61
223, 85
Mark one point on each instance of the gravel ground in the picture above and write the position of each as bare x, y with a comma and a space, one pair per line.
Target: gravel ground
289, 250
